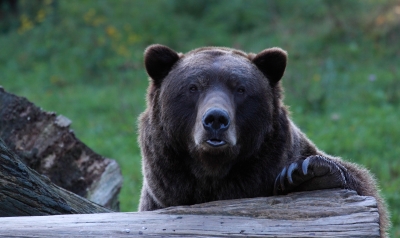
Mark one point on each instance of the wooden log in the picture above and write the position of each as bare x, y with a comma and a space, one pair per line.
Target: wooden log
24, 192
45, 143
324, 213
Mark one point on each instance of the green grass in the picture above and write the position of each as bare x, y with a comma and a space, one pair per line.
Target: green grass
83, 59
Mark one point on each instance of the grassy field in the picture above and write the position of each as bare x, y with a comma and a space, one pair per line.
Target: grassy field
83, 59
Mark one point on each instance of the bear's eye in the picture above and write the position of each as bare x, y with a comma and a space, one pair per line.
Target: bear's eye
193, 88
240, 90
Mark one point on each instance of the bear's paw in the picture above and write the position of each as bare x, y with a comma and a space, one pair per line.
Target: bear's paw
314, 173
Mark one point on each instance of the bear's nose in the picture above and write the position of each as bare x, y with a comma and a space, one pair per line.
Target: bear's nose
216, 120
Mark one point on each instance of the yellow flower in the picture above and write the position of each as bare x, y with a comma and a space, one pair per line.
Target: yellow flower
111, 31
40, 15
26, 24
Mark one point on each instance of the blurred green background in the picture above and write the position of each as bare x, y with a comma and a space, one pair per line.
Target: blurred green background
84, 60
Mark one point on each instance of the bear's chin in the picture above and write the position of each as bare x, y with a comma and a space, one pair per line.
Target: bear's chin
214, 162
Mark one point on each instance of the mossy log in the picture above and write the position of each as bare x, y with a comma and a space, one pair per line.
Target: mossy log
44, 142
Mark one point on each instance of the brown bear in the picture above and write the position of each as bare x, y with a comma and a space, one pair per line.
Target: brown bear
216, 128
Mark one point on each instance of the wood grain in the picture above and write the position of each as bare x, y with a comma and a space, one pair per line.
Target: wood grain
325, 213
24, 192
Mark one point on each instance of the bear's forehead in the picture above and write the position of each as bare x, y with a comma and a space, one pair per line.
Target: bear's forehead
216, 54
218, 61
218, 50
215, 67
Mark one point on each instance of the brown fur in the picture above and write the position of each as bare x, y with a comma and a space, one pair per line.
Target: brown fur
262, 143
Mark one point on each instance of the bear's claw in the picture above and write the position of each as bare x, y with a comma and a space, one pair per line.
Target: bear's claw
313, 173
291, 168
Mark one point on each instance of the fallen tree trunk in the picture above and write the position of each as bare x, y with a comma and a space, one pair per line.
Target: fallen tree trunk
324, 213
44, 142
24, 192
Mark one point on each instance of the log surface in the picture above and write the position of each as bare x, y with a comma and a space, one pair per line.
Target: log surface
44, 142
324, 213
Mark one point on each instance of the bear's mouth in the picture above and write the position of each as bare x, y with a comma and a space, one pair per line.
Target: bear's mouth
215, 142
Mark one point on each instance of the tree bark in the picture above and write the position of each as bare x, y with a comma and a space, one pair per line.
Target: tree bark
324, 213
24, 192
44, 142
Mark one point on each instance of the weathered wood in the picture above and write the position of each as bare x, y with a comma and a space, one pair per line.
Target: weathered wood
325, 213
24, 192
45, 143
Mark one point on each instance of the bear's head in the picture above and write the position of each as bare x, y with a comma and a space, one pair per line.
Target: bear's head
214, 106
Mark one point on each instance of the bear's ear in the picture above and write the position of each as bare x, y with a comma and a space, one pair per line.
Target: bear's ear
158, 60
272, 63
